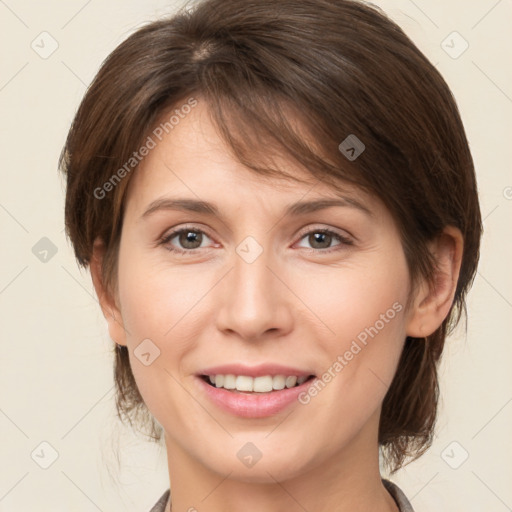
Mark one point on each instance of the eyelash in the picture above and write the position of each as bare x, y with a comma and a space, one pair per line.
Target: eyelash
344, 241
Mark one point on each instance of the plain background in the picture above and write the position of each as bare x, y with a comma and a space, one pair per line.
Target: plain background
56, 366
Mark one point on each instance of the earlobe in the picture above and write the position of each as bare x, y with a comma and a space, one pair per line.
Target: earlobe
108, 304
434, 300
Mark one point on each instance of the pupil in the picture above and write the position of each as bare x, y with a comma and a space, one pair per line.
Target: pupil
189, 237
320, 237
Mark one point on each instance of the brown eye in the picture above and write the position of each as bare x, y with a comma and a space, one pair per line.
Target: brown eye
322, 240
185, 240
189, 239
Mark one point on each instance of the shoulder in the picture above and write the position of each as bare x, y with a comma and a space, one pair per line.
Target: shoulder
161, 503
401, 500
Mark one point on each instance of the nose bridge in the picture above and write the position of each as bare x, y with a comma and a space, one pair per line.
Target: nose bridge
251, 273
252, 301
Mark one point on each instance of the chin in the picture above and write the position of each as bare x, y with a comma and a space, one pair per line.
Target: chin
264, 466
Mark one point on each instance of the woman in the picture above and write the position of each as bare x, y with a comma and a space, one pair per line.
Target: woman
279, 209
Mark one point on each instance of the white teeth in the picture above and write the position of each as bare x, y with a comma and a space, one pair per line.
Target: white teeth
244, 383
229, 381
278, 382
263, 384
291, 381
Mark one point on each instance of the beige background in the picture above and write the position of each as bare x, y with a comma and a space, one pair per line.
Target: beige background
55, 371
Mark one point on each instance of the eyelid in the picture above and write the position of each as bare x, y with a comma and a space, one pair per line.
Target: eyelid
182, 227
344, 234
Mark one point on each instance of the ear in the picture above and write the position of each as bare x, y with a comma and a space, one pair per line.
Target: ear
109, 307
433, 301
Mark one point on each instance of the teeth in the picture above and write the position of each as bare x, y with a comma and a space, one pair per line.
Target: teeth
263, 384
229, 382
278, 382
244, 383
291, 381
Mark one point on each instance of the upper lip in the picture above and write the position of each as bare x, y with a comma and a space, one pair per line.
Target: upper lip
255, 371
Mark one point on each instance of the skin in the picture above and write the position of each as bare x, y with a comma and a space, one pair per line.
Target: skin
296, 304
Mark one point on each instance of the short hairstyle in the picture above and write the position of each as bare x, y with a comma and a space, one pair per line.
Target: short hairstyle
341, 67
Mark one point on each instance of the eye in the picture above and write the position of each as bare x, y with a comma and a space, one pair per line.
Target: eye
192, 239
189, 238
321, 239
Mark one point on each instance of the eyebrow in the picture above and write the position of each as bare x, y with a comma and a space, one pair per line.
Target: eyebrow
295, 209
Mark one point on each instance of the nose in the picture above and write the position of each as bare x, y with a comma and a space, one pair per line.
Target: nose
254, 301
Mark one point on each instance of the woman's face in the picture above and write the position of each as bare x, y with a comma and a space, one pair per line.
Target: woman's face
257, 289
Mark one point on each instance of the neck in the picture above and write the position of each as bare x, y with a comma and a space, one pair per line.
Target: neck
346, 481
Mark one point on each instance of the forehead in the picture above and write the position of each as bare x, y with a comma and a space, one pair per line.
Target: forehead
191, 159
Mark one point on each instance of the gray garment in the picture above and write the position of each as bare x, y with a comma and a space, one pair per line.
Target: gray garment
401, 500
393, 489
161, 503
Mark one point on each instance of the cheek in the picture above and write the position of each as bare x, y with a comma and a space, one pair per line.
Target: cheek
158, 301
158, 305
350, 300
362, 315
164, 305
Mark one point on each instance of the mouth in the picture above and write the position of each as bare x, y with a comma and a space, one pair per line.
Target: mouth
256, 391
265, 384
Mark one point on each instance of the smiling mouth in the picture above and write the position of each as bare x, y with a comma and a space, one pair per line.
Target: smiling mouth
253, 385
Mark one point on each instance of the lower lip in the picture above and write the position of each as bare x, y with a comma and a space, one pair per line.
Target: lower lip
253, 405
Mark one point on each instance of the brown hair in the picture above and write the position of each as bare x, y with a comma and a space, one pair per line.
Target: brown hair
343, 68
